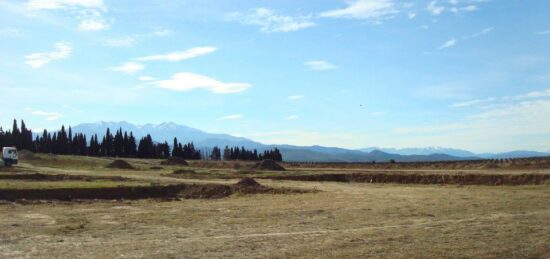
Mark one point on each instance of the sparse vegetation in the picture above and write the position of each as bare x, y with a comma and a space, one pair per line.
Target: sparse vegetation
246, 216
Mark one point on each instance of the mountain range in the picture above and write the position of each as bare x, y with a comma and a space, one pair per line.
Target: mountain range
168, 130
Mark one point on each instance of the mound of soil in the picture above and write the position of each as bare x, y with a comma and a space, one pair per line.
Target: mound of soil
400, 178
156, 168
248, 182
270, 165
175, 161
120, 164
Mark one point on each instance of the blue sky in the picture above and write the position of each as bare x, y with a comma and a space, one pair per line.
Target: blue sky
471, 74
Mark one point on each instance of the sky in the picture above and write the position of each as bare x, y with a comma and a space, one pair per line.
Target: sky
469, 74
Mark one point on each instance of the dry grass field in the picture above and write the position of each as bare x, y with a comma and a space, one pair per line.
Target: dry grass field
327, 219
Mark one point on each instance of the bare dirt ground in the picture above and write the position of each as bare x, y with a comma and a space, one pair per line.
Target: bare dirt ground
341, 219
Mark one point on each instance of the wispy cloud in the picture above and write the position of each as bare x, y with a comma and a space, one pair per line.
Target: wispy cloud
119, 42
188, 81
543, 32
9, 32
269, 21
88, 12
129, 40
180, 55
480, 33
295, 97
161, 32
501, 101
468, 8
50, 116
291, 117
64, 4
453, 42
364, 9
454, 6
319, 65
37, 60
232, 117
128, 67
435, 9
93, 25
448, 44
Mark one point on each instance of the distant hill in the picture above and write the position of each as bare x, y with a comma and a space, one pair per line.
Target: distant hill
423, 151
168, 130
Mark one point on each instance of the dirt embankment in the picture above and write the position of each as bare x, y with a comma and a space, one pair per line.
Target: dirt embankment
460, 179
185, 191
512, 164
59, 177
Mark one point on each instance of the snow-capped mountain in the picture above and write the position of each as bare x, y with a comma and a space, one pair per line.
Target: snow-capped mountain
168, 130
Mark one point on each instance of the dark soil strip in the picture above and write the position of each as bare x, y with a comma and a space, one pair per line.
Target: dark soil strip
186, 191
460, 179
59, 177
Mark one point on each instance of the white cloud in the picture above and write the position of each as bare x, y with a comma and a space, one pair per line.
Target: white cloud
37, 60
93, 25
435, 9
295, 97
291, 117
411, 15
179, 56
48, 115
89, 13
534, 94
468, 8
269, 21
543, 32
188, 81
232, 117
448, 44
364, 9
161, 32
502, 101
480, 33
320, 65
128, 67
64, 4
119, 42
146, 78
466, 103
9, 32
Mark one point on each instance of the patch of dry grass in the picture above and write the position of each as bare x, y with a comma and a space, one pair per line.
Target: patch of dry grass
341, 220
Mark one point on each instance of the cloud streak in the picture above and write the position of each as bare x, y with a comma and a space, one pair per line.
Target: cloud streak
180, 55
319, 65
37, 60
448, 44
128, 68
269, 21
295, 97
364, 10
186, 81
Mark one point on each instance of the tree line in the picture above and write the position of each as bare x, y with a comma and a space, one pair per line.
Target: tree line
121, 144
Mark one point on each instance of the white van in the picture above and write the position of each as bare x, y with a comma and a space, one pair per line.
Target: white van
9, 155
